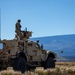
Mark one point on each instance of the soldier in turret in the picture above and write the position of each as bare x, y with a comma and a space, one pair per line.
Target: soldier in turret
18, 28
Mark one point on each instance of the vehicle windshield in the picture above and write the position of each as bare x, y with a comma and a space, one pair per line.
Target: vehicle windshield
1, 46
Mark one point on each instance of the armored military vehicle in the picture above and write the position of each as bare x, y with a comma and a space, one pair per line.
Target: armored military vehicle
23, 54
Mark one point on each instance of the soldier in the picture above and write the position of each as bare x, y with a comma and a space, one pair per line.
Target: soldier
18, 28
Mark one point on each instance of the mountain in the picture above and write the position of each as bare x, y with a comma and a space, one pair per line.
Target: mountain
63, 45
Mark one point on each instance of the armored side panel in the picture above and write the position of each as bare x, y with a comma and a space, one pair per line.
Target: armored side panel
34, 51
13, 44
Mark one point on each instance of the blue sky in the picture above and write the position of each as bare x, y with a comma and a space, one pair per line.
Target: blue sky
42, 17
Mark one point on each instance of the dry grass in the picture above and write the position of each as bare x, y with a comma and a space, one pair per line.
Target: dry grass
65, 63
10, 71
62, 68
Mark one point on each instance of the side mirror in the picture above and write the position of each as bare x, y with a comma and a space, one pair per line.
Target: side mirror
41, 46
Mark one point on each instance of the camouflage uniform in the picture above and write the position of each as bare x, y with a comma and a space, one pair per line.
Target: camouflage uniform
18, 28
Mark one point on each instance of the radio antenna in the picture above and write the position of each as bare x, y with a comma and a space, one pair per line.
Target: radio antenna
0, 23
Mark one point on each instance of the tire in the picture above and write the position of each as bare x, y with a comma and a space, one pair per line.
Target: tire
50, 63
21, 64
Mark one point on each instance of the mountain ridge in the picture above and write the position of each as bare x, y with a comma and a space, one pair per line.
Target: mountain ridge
55, 35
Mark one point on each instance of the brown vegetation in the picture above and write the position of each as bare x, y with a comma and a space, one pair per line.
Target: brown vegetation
62, 68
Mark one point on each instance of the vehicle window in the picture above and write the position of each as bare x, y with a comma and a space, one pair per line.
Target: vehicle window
1, 46
29, 44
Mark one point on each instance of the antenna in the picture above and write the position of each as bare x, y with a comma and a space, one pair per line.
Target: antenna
0, 23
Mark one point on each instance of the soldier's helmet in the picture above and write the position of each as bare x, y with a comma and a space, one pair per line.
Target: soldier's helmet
19, 20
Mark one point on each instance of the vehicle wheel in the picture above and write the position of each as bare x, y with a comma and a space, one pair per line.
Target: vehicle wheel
21, 65
50, 63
